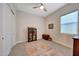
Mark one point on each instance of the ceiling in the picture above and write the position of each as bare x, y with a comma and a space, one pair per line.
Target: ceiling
28, 7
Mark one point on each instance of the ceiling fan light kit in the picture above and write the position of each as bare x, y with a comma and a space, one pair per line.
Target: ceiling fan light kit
41, 7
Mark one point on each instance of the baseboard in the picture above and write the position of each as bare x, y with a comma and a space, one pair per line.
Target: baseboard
65, 45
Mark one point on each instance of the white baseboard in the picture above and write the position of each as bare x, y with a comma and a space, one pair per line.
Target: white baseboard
65, 45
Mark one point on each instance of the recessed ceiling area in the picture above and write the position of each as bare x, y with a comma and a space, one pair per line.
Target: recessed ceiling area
28, 7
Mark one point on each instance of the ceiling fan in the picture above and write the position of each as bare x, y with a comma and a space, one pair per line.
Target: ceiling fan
41, 6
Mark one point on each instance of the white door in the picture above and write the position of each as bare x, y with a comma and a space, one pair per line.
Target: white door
7, 30
1, 30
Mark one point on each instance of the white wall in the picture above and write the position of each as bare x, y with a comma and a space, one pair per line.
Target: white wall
1, 13
8, 28
54, 18
24, 20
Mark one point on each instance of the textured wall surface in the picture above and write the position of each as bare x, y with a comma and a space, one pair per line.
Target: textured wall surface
25, 20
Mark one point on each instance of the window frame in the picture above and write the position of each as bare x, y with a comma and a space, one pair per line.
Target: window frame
77, 24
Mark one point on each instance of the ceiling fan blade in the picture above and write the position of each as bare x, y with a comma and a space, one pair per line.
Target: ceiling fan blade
36, 7
45, 9
42, 4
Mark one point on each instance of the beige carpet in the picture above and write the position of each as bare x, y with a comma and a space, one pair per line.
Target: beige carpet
35, 48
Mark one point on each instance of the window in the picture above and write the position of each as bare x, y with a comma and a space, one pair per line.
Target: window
69, 23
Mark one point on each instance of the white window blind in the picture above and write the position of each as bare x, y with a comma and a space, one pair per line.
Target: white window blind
69, 23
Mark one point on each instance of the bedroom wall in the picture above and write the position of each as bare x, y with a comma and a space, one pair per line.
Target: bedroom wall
54, 18
24, 20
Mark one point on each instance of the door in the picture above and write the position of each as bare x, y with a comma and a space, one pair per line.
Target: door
1, 30
7, 30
